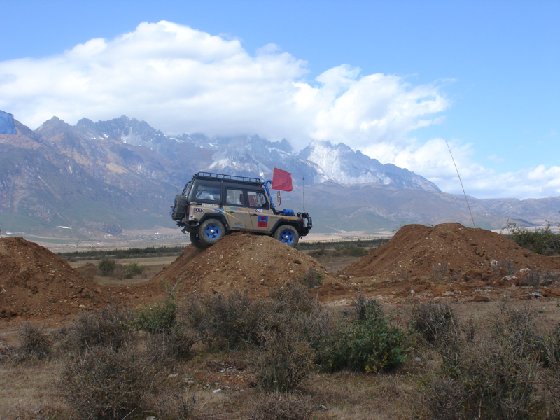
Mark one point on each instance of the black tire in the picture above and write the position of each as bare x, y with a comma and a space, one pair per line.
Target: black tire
211, 231
287, 235
196, 242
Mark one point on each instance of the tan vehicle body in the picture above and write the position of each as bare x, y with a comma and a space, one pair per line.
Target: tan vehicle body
213, 205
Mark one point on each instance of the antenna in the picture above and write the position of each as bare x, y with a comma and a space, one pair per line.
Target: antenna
461, 181
303, 193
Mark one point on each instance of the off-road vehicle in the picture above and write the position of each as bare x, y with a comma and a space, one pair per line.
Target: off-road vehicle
213, 205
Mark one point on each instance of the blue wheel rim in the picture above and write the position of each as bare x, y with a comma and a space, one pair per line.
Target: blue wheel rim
287, 236
212, 232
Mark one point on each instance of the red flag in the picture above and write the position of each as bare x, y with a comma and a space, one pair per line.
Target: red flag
281, 180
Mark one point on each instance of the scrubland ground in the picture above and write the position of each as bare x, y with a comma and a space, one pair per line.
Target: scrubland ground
310, 340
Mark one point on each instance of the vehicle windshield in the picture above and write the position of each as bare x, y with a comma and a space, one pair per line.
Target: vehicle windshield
187, 189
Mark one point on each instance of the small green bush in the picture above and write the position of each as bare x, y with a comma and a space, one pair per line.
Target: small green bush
436, 322
492, 377
106, 266
312, 278
106, 327
34, 344
132, 270
168, 346
284, 361
105, 383
225, 322
541, 241
366, 344
158, 317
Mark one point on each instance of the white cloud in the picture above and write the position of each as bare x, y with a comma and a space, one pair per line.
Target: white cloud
180, 79
183, 80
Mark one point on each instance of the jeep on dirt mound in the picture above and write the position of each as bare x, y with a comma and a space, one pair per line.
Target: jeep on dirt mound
213, 205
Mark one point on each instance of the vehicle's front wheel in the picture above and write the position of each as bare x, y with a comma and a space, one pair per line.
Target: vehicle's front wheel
195, 240
211, 231
287, 234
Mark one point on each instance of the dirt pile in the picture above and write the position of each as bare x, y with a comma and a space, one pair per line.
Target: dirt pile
36, 282
448, 252
252, 263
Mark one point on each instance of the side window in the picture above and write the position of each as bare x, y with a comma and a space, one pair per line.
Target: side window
208, 193
235, 197
257, 199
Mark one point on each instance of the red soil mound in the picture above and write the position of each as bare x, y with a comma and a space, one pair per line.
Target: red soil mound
252, 263
36, 282
448, 251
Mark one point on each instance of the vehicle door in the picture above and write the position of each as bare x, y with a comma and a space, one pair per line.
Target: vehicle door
263, 218
235, 208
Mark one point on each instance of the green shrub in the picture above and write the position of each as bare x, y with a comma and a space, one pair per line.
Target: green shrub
367, 344
517, 330
293, 297
34, 344
493, 377
105, 383
541, 241
551, 348
158, 317
490, 381
436, 322
225, 322
168, 346
132, 270
312, 278
106, 266
284, 361
106, 327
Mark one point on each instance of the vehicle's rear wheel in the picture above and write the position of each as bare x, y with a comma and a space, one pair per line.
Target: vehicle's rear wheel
195, 240
211, 231
287, 234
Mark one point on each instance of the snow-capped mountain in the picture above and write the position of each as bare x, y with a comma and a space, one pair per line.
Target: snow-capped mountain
110, 175
340, 164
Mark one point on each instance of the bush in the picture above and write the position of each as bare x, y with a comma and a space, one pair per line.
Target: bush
551, 349
541, 241
284, 362
168, 346
225, 322
106, 266
105, 383
516, 329
107, 327
158, 317
494, 377
367, 343
132, 270
281, 406
34, 344
436, 322
312, 278
293, 297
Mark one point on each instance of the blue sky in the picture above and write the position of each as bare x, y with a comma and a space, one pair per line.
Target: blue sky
486, 72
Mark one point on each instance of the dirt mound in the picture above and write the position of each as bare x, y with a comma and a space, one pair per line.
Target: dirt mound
36, 282
252, 263
448, 251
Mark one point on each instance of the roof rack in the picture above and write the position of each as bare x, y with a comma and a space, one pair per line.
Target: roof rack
235, 178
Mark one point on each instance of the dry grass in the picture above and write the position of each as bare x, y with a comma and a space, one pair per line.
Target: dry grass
224, 383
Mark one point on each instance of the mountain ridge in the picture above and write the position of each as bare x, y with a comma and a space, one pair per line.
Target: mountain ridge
121, 174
